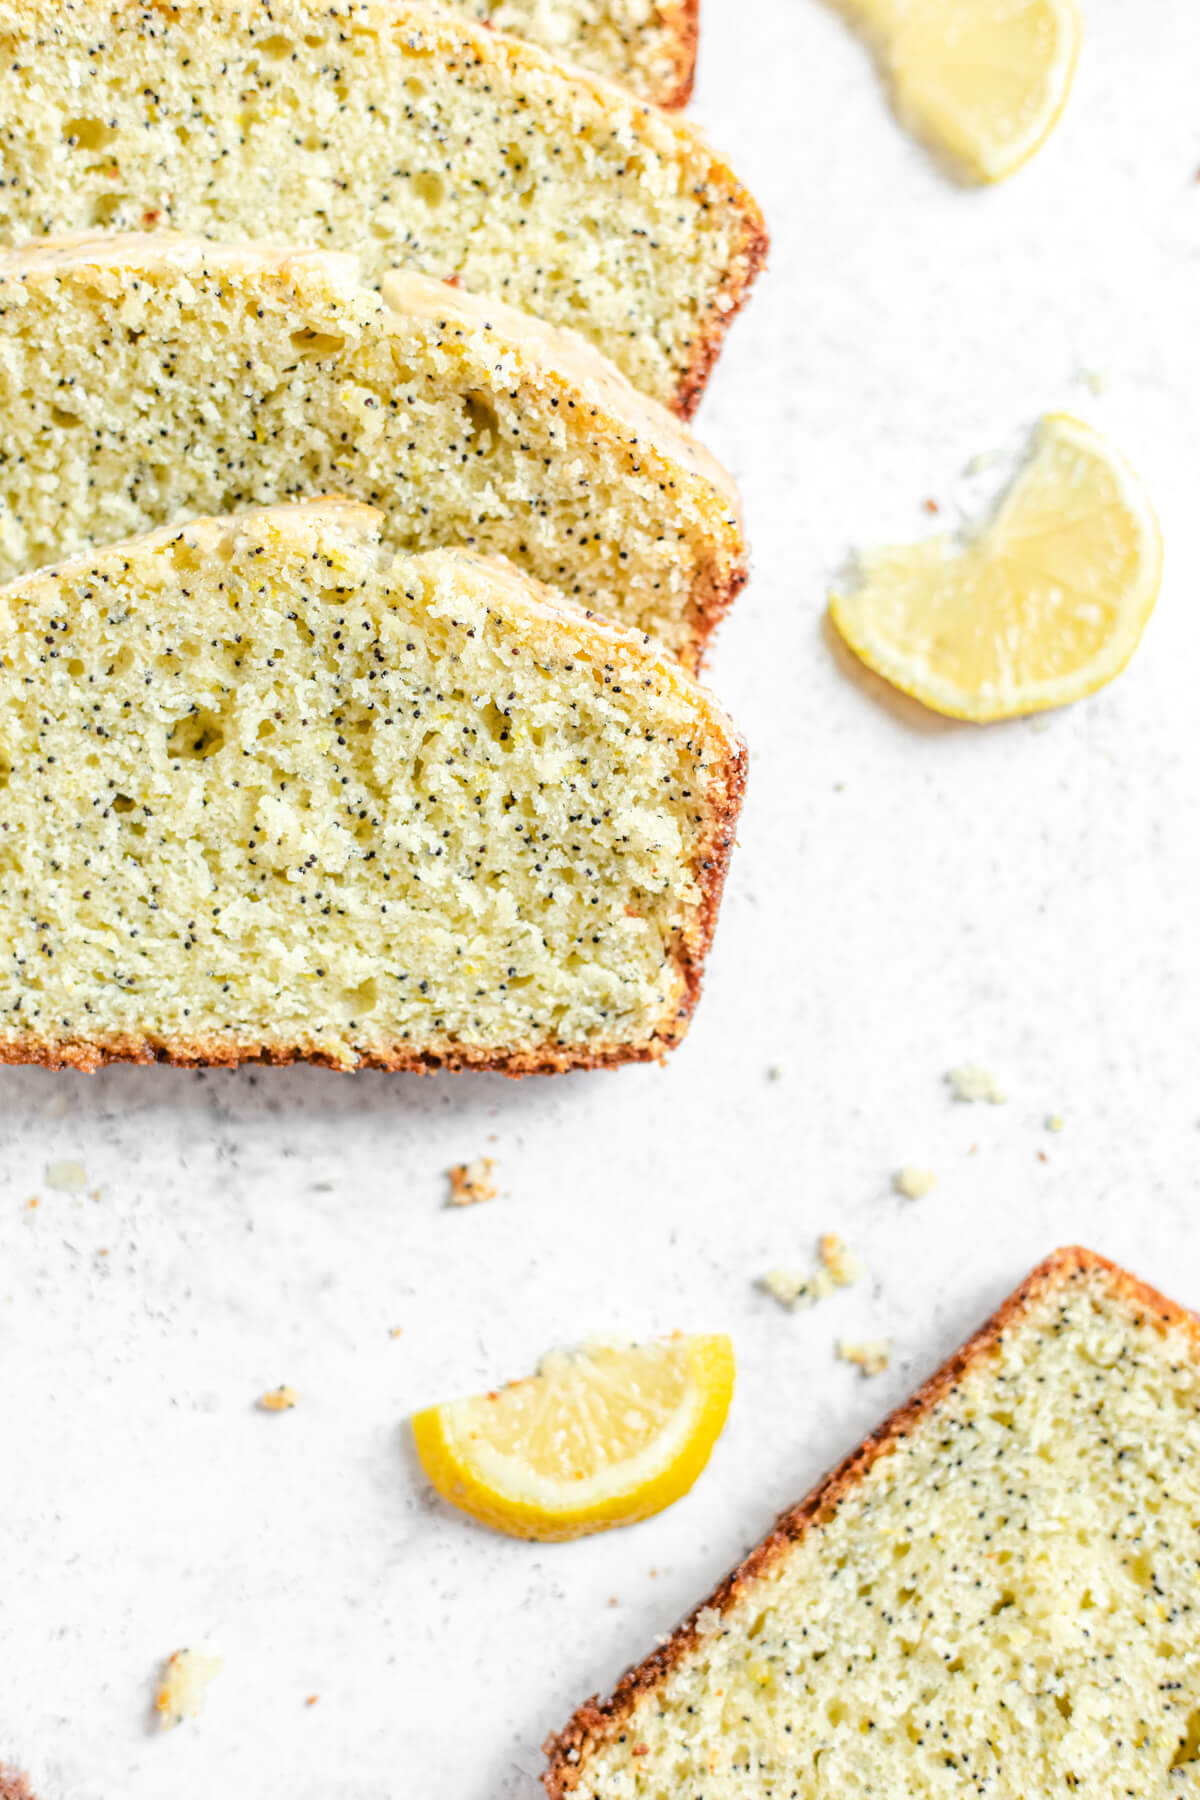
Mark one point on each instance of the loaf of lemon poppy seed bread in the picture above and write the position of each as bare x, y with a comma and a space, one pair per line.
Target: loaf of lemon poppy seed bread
994, 1596
399, 131
147, 378
649, 46
272, 789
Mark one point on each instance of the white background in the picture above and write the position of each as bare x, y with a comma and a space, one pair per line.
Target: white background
908, 895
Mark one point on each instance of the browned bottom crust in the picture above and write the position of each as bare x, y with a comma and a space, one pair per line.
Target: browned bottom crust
14, 1785
91, 1053
598, 1721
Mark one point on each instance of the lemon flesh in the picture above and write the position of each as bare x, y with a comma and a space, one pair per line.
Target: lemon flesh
598, 1437
1043, 605
982, 81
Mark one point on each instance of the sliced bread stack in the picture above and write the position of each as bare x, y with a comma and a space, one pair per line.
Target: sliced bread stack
147, 378
402, 132
419, 777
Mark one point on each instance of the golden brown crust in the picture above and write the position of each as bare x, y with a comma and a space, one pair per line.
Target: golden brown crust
684, 22
596, 1721
14, 1785
752, 257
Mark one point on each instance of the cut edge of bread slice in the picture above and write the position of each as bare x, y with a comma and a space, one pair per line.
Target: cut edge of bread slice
555, 361
597, 1722
547, 621
429, 29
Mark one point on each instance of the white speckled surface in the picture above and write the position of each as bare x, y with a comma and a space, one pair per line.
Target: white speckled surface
908, 895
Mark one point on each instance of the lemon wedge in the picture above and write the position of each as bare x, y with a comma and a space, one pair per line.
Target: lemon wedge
598, 1437
1044, 604
982, 81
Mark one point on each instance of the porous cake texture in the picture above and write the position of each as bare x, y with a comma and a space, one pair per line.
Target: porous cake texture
271, 789
647, 45
995, 1595
146, 378
400, 131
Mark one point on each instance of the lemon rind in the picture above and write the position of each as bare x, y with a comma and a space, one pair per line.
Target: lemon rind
453, 1467
994, 702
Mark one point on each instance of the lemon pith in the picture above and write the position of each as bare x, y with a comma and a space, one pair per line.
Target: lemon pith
599, 1437
981, 81
1044, 604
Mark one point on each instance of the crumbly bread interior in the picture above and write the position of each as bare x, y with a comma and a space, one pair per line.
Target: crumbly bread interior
650, 48
402, 132
1002, 1605
267, 787
146, 379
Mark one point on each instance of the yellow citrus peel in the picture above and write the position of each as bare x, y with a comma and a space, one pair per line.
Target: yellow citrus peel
1042, 605
982, 81
598, 1437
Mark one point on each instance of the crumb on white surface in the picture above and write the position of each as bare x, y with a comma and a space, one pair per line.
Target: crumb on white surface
837, 1267
280, 1399
469, 1182
870, 1356
1055, 1122
184, 1686
844, 1266
774, 1073
66, 1177
972, 1083
792, 1288
914, 1183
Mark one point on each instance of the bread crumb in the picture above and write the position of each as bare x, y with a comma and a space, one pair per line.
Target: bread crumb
469, 1182
774, 1073
312, 1699
33, 1202
843, 1265
791, 1288
838, 1267
66, 1177
1095, 380
972, 1083
914, 1183
870, 1355
184, 1686
932, 507
1055, 1122
280, 1399
396, 1331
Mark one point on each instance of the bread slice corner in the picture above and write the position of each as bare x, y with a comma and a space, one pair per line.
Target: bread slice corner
991, 1594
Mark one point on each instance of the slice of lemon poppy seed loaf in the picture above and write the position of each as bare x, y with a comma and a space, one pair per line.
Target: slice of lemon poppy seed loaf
649, 48
148, 378
402, 132
994, 1596
269, 788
